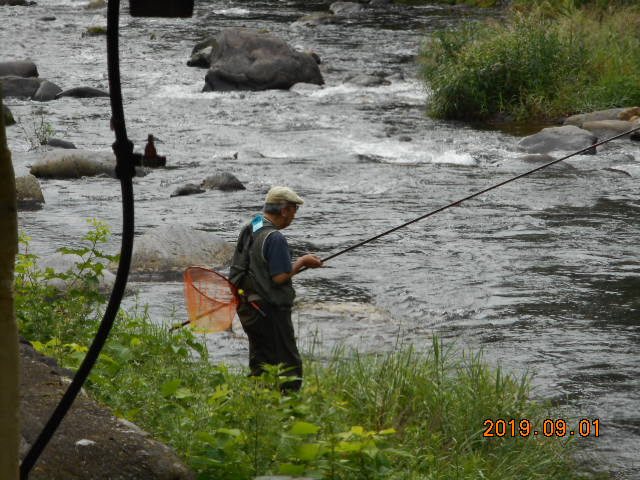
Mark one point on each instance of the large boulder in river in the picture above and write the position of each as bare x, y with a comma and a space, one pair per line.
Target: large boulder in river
46, 92
28, 193
19, 68
567, 138
249, 60
62, 263
170, 249
65, 164
20, 87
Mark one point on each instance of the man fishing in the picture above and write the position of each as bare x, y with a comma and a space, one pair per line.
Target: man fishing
262, 268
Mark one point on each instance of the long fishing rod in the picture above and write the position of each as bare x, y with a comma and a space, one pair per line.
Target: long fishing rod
477, 194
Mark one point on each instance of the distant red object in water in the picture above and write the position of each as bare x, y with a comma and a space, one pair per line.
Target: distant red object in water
151, 157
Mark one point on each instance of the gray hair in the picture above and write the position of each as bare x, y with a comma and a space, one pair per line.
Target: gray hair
273, 208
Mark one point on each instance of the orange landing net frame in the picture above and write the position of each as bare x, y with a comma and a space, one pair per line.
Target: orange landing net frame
211, 300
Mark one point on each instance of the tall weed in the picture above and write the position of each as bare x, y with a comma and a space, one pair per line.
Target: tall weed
535, 66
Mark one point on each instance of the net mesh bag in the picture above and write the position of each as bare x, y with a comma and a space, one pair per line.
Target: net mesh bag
210, 298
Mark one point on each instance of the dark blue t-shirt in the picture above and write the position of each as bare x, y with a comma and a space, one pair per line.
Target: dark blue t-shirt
276, 251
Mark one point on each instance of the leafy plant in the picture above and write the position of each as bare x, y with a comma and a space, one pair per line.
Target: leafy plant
43, 311
39, 131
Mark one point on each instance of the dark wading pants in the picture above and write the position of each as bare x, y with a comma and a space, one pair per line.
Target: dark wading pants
271, 340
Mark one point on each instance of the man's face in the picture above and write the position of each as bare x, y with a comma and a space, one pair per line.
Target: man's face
288, 214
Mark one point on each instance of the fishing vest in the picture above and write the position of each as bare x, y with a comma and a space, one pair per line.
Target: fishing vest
250, 270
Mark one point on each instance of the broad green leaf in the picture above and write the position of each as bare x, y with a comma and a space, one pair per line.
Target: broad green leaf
222, 391
170, 387
206, 437
304, 428
348, 447
308, 451
357, 430
291, 469
183, 393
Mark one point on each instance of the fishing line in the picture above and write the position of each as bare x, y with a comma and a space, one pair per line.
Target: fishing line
474, 195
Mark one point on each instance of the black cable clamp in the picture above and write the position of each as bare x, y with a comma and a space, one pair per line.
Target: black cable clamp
125, 162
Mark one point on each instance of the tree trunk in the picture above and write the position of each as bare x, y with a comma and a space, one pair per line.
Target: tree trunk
9, 386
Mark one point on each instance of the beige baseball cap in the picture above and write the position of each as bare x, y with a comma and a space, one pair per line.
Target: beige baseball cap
280, 195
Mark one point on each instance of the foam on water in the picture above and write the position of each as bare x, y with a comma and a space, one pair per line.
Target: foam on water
232, 12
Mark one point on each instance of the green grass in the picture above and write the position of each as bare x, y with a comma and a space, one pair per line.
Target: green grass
400, 415
540, 64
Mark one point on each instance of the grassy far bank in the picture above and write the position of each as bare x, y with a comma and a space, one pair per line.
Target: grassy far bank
545, 61
402, 415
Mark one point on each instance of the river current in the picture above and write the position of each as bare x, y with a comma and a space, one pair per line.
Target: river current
543, 274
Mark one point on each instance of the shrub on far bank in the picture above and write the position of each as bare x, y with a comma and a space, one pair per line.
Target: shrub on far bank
534, 66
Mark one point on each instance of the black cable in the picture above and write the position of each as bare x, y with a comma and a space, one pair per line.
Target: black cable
125, 170
458, 202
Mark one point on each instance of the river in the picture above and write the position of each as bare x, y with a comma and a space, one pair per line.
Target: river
542, 274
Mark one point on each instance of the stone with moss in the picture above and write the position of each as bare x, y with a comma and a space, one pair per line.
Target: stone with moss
95, 31
29, 193
95, 4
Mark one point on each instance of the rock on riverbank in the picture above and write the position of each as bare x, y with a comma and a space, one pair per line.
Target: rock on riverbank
91, 442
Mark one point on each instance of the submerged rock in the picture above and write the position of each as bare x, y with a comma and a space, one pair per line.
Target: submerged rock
566, 138
188, 189
170, 249
83, 92
347, 9
630, 170
365, 80
305, 88
222, 181
250, 60
58, 143
316, 20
